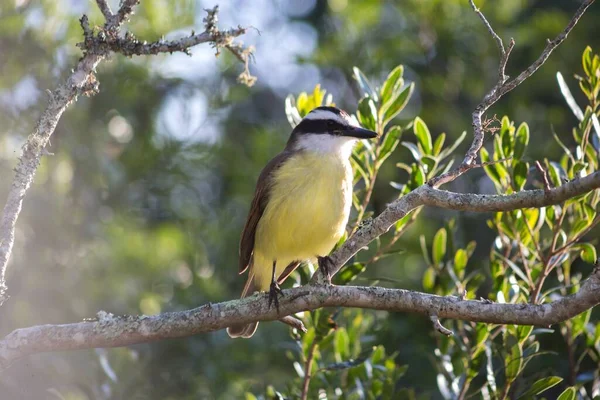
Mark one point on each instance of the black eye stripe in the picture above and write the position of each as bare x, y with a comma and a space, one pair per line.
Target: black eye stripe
319, 126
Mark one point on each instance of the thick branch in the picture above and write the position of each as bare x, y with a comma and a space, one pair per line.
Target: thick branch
111, 331
96, 47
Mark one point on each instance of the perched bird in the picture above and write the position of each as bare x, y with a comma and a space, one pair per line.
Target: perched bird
301, 204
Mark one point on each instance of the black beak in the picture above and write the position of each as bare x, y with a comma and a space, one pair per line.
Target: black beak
359, 133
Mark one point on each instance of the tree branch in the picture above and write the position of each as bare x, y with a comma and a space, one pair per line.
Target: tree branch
96, 47
426, 195
115, 331
503, 86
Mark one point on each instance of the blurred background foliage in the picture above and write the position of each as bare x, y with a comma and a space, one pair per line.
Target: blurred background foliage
140, 208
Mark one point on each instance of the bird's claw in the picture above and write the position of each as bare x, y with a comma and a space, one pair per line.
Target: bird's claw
274, 293
325, 267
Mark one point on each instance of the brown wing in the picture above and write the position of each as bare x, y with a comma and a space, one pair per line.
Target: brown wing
261, 197
287, 271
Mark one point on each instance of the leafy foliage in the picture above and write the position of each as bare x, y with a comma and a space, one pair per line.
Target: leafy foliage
345, 362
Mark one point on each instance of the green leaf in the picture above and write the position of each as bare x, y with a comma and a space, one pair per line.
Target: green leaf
579, 227
489, 169
429, 279
390, 142
364, 83
367, 113
568, 394
523, 331
513, 360
521, 141
439, 246
417, 177
349, 273
579, 323
402, 221
392, 81
439, 144
540, 386
423, 135
393, 108
414, 150
566, 92
554, 173
586, 60
506, 137
423, 243
460, 262
588, 252
520, 170
341, 344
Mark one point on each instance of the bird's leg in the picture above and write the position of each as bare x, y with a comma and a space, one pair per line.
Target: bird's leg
275, 290
324, 266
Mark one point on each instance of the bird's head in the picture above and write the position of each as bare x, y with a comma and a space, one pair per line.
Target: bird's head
328, 130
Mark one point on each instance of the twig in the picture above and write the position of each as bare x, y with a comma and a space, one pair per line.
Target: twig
105, 9
502, 86
294, 323
544, 176
111, 331
437, 325
308, 369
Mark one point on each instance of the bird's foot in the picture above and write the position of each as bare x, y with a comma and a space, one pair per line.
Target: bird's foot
325, 265
274, 293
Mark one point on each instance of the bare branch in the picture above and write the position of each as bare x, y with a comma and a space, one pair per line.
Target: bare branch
489, 28
502, 87
113, 331
437, 325
105, 9
544, 174
125, 10
96, 47
33, 149
294, 323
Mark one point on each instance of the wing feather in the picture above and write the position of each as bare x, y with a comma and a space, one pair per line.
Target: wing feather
259, 203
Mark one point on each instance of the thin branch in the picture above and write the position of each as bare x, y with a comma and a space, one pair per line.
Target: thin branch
308, 369
489, 28
105, 9
96, 47
502, 86
115, 331
437, 325
544, 174
33, 150
294, 323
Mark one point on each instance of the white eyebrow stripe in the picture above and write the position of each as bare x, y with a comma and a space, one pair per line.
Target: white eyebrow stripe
325, 115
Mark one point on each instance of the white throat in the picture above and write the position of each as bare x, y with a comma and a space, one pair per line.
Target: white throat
327, 144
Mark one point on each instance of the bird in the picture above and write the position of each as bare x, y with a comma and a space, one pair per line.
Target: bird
301, 204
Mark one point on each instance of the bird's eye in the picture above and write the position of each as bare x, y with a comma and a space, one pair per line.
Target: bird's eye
330, 124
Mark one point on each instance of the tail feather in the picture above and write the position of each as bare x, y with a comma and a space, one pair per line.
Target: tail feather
245, 330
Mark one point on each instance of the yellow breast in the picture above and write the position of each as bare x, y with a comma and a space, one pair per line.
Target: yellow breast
306, 215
